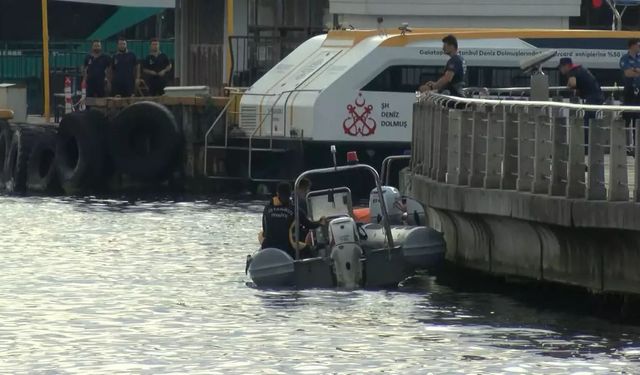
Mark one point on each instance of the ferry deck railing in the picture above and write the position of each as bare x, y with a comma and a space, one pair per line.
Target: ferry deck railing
536, 147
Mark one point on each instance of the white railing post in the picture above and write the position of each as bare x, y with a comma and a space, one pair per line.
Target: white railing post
595, 160
542, 151
509, 151
441, 166
576, 166
495, 125
618, 181
526, 139
464, 147
559, 156
453, 144
478, 149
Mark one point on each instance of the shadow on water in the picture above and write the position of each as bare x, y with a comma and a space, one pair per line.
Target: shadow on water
470, 298
551, 320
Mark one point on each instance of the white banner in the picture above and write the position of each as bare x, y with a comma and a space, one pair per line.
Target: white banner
130, 3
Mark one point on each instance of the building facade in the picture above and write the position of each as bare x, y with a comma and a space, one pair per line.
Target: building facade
262, 32
547, 14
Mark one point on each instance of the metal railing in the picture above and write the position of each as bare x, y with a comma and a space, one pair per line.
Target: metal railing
523, 92
271, 136
535, 147
256, 132
23, 59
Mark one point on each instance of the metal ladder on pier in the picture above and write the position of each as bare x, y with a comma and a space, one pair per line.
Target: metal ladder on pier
223, 119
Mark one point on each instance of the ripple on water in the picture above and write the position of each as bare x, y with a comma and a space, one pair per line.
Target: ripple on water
108, 286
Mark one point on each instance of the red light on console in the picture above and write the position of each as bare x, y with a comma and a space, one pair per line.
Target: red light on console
352, 157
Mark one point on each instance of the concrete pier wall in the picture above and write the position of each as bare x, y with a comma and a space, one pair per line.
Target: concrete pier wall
523, 199
600, 261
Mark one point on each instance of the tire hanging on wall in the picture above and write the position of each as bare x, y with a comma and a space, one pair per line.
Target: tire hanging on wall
80, 151
15, 168
42, 175
144, 141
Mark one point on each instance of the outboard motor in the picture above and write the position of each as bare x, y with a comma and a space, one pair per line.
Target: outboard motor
391, 197
402, 210
345, 252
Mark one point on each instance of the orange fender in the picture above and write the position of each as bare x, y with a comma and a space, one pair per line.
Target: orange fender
361, 215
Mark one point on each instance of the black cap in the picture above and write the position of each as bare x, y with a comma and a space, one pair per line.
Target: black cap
565, 61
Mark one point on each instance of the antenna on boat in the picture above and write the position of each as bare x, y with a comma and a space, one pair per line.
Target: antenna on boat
333, 153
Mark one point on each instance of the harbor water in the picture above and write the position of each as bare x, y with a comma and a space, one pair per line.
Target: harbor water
96, 286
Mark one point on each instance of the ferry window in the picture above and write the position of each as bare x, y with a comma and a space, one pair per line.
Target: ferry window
402, 78
407, 78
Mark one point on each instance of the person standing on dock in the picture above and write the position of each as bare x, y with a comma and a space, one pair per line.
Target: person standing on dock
453, 78
630, 65
583, 81
96, 72
126, 71
155, 68
580, 79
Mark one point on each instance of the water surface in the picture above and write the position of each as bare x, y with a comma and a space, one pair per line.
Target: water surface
93, 286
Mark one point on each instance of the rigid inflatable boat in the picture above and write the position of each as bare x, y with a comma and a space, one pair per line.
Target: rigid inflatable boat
348, 254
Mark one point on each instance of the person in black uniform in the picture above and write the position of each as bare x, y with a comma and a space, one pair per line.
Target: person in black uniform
155, 68
453, 79
96, 71
126, 72
588, 89
630, 66
278, 219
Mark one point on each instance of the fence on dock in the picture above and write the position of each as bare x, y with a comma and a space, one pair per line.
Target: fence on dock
542, 148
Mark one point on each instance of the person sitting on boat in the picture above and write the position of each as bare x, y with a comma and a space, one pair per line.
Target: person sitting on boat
453, 79
278, 220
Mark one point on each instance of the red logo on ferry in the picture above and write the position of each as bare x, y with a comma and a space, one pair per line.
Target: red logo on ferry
359, 121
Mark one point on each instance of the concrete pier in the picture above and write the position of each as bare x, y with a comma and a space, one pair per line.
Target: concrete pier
515, 192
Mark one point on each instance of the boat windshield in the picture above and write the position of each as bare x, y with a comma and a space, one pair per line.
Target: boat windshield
329, 203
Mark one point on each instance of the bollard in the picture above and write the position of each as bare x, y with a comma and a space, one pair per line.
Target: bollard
83, 87
68, 103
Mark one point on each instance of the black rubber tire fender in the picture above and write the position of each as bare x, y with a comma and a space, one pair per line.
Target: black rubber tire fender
144, 141
5, 143
15, 169
80, 151
42, 174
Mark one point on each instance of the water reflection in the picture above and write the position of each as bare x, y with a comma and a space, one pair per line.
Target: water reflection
157, 286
